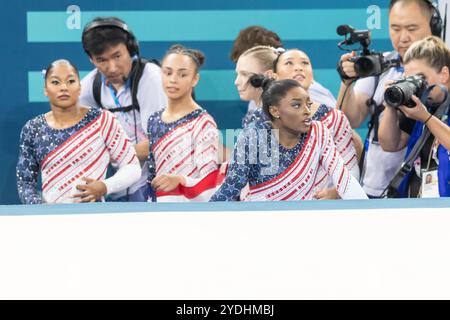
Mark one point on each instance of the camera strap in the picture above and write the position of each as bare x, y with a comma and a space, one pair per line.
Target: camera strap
373, 124
407, 166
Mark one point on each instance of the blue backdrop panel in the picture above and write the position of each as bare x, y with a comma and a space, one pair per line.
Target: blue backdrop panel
35, 33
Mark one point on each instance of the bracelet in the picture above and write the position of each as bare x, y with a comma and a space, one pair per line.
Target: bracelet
428, 119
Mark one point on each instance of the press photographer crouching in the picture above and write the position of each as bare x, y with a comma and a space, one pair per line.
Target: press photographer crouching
417, 117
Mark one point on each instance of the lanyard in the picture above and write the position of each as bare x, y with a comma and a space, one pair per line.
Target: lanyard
400, 69
113, 92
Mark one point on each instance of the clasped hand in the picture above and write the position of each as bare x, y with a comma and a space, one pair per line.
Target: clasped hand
92, 191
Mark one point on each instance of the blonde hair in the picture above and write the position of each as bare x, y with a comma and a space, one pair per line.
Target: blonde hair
265, 55
432, 50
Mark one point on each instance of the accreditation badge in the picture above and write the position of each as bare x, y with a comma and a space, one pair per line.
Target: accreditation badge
430, 184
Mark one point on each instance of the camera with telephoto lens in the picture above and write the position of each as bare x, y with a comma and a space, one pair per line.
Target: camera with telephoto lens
367, 63
402, 90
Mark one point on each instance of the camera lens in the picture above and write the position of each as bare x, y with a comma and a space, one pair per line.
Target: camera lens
394, 96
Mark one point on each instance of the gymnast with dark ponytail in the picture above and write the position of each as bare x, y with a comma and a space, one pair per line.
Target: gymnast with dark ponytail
295, 64
263, 61
280, 158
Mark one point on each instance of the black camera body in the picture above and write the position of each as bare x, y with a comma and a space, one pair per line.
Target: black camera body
367, 63
372, 64
402, 90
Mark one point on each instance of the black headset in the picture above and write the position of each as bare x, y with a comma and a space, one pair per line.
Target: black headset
436, 24
112, 22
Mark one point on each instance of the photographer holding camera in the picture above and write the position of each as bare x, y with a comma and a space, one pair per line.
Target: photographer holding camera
423, 97
409, 21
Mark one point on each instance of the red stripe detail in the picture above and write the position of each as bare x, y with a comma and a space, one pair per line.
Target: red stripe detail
288, 197
207, 151
65, 143
110, 127
126, 144
95, 161
320, 181
167, 145
65, 163
173, 136
44, 187
105, 122
193, 170
186, 158
183, 160
103, 173
157, 143
164, 161
285, 172
207, 164
340, 117
132, 159
348, 144
328, 119
68, 190
349, 161
208, 121
179, 163
172, 139
104, 126
340, 178
68, 153
294, 180
322, 134
108, 135
211, 181
68, 166
121, 152
308, 192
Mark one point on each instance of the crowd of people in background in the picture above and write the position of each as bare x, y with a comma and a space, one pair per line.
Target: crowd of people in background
132, 130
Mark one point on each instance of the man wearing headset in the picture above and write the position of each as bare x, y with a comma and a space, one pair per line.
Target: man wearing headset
125, 84
409, 21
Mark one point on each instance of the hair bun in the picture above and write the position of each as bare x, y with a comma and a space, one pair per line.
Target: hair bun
260, 81
257, 80
196, 55
176, 47
266, 83
199, 56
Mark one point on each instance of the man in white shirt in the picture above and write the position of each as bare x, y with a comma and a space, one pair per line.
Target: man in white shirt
125, 84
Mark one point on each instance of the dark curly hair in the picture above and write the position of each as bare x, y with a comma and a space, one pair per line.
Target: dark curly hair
253, 36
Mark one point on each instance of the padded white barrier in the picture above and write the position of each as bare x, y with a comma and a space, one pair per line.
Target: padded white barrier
374, 249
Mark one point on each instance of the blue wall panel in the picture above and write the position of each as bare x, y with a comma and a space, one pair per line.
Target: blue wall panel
34, 33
